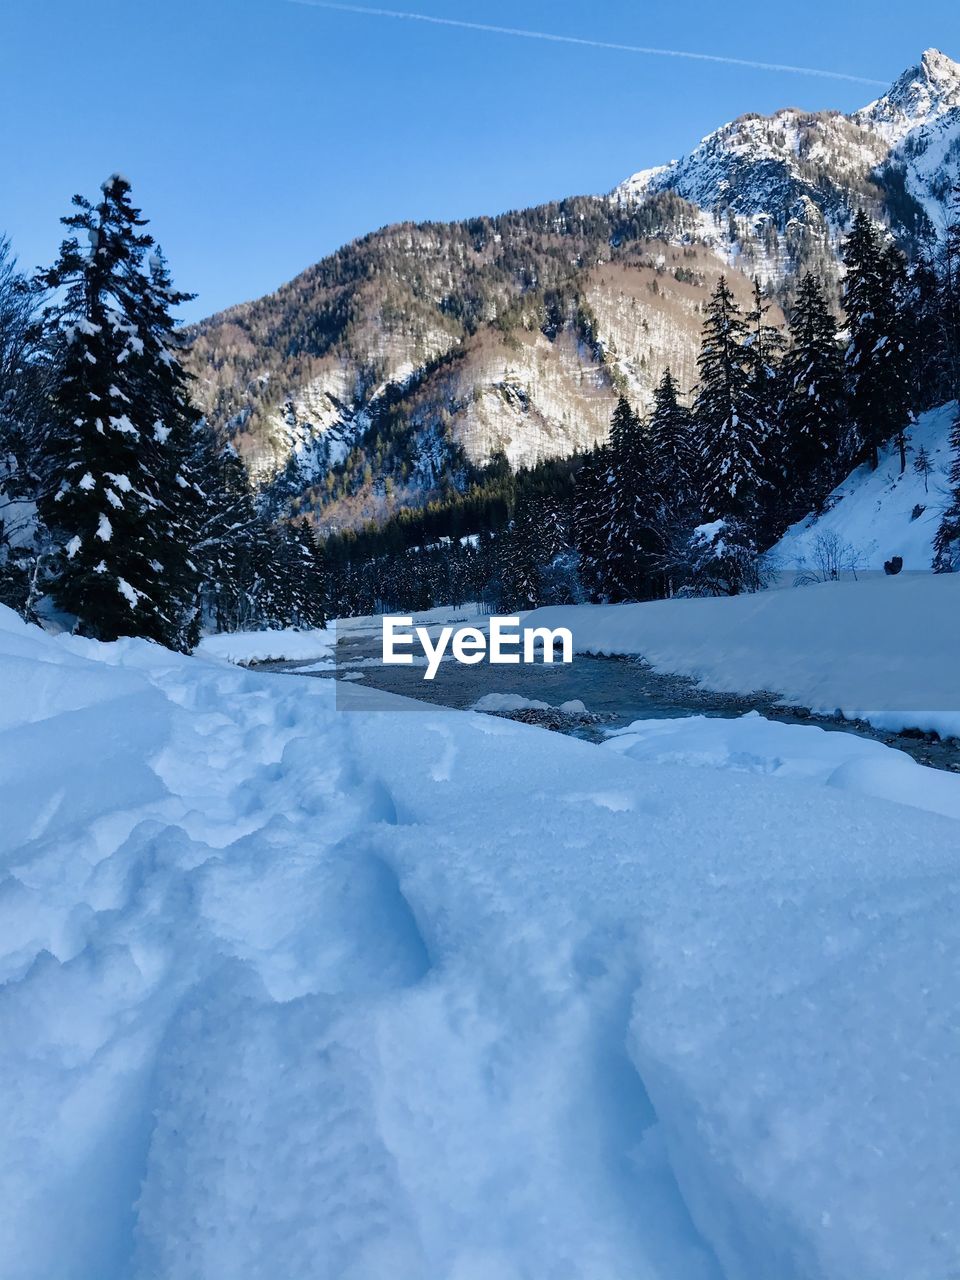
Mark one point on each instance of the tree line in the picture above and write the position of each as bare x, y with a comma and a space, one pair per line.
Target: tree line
689, 498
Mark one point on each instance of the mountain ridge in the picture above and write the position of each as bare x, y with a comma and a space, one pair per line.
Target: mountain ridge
779, 190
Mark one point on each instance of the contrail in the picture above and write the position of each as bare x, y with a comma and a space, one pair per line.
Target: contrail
591, 44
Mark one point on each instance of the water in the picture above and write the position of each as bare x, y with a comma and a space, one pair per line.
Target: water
616, 691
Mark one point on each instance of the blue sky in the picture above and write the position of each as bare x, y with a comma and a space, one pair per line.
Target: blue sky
261, 134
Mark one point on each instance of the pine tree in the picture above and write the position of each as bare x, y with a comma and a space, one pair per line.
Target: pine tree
878, 359
923, 466
21, 397
523, 556
926, 300
225, 524
765, 346
814, 454
112, 500
631, 538
950, 303
672, 449
726, 414
593, 499
722, 559
946, 544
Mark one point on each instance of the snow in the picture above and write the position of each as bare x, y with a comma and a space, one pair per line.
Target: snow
754, 744
882, 650
289, 991
129, 593
709, 531
872, 517
796, 170
519, 703
246, 647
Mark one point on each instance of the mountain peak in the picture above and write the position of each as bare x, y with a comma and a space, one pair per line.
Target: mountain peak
923, 93
939, 69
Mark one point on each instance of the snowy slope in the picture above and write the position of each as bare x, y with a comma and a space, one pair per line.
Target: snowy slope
292, 992
871, 516
882, 650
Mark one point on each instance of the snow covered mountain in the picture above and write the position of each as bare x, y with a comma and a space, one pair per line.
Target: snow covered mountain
418, 351
376, 378
777, 192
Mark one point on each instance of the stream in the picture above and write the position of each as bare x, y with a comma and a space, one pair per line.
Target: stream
615, 692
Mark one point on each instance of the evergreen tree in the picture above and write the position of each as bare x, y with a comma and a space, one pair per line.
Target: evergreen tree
21, 397
814, 454
630, 538
672, 449
523, 557
593, 500
928, 307
111, 498
765, 346
946, 545
723, 559
923, 466
950, 308
878, 358
726, 414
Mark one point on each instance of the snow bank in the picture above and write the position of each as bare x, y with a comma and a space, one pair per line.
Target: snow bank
293, 992
753, 744
244, 648
882, 650
247, 647
872, 517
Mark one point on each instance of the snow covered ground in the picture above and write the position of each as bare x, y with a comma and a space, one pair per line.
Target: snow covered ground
882, 650
876, 515
248, 647
753, 744
293, 992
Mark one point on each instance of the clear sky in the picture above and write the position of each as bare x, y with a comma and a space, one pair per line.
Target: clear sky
259, 135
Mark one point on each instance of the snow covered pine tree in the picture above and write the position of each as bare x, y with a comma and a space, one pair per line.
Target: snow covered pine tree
946, 545
631, 540
114, 497
723, 553
815, 453
591, 518
726, 413
878, 358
